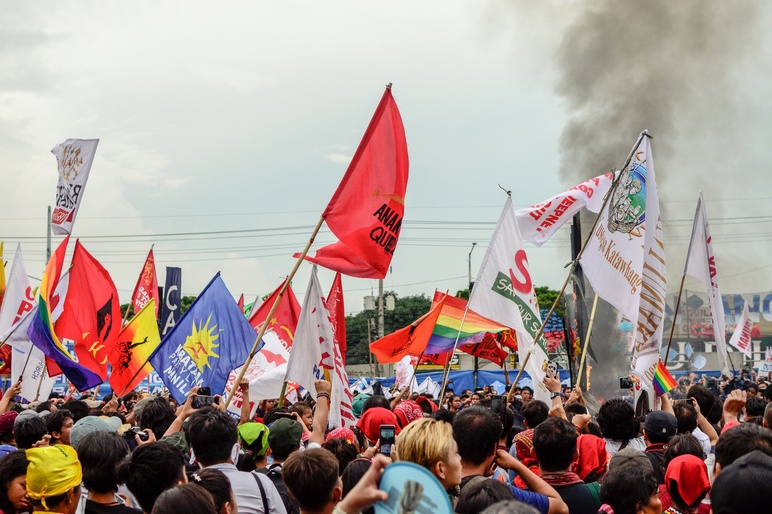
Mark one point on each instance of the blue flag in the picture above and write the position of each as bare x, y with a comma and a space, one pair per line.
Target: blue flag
209, 341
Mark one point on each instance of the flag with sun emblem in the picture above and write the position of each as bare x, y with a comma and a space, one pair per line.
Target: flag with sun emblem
212, 338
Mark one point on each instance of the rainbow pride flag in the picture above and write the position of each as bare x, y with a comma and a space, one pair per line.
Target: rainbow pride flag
41, 330
663, 381
445, 331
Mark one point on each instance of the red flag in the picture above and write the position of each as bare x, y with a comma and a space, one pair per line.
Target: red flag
241, 302
147, 286
366, 211
411, 340
488, 349
338, 315
92, 312
284, 320
5, 359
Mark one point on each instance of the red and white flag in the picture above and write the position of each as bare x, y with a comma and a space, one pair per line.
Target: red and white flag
741, 339
624, 260
701, 264
342, 398
366, 211
74, 158
538, 223
147, 286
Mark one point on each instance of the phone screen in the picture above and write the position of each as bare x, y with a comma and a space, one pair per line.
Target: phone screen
204, 391
387, 438
200, 401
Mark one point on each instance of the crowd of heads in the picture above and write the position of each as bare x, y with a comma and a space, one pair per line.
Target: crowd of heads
490, 453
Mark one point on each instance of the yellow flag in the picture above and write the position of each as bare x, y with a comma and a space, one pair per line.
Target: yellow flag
136, 343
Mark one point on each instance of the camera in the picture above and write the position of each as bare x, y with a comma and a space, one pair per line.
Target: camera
131, 432
625, 383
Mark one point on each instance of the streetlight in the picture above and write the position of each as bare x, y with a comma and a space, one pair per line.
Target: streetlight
470, 267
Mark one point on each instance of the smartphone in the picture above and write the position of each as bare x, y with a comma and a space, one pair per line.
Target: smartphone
387, 437
204, 391
498, 404
201, 400
625, 383
283, 414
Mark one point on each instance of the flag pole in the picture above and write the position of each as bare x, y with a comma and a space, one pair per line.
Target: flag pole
575, 262
415, 370
268, 317
675, 317
587, 341
446, 375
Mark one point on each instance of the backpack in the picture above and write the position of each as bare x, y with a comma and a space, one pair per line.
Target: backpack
274, 473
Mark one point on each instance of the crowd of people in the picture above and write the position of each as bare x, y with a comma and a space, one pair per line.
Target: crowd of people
706, 449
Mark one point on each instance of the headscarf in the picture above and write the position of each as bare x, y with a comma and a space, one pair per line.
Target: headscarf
371, 421
342, 433
591, 455
52, 470
687, 474
408, 411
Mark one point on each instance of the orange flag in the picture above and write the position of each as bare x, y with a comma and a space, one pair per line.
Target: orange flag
366, 211
411, 340
136, 342
92, 312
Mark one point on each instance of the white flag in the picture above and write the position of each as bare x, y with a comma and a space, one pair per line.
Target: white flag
74, 158
503, 292
311, 355
701, 264
741, 339
18, 299
265, 374
625, 258
405, 372
28, 361
538, 223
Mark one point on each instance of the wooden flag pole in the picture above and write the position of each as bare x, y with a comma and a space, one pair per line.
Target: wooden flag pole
575, 262
446, 375
587, 341
275, 306
675, 317
415, 370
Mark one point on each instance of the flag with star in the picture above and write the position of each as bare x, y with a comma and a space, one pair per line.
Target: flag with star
210, 340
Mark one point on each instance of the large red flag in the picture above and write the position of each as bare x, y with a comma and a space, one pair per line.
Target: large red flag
366, 211
411, 340
92, 312
147, 286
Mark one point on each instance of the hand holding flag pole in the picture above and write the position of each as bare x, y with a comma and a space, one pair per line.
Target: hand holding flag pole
575, 262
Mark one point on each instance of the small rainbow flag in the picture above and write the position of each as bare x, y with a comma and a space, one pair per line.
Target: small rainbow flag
663, 381
445, 331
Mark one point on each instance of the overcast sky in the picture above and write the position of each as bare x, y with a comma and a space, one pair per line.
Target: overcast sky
243, 115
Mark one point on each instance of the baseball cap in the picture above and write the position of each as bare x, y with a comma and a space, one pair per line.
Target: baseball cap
52, 470
93, 424
661, 423
630, 457
285, 432
358, 404
7, 420
743, 486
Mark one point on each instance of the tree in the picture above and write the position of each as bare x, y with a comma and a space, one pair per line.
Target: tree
546, 297
406, 310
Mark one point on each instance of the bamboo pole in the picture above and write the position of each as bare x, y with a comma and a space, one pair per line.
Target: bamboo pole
675, 318
575, 262
446, 375
587, 341
275, 306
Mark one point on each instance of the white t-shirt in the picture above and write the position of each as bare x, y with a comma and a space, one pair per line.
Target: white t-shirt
612, 447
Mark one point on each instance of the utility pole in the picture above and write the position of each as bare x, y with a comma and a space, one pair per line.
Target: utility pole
48, 235
380, 309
